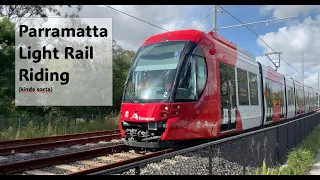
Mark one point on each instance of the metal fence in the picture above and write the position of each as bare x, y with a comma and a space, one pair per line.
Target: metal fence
240, 154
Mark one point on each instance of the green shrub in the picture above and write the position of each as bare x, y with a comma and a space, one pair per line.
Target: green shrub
59, 126
300, 161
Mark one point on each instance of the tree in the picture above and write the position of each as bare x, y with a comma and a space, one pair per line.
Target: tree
6, 65
121, 63
27, 11
7, 61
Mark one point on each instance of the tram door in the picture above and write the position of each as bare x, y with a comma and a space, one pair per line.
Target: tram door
228, 97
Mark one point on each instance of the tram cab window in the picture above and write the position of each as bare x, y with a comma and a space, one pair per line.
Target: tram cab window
193, 79
187, 88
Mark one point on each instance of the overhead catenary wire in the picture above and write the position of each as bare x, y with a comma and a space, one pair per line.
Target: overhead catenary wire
136, 18
255, 34
205, 18
262, 41
140, 18
127, 15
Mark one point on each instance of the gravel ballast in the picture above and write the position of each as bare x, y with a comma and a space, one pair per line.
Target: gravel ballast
189, 164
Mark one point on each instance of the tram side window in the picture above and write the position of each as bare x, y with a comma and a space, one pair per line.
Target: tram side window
282, 101
275, 92
274, 89
289, 96
300, 97
269, 98
297, 98
301, 100
187, 89
227, 85
253, 86
243, 87
310, 95
269, 95
303, 96
280, 93
306, 96
311, 98
292, 98
201, 74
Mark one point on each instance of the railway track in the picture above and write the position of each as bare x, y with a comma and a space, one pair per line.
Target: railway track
77, 163
4, 144
45, 143
80, 163
83, 161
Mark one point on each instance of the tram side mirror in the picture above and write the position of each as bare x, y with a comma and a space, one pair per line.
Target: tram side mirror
212, 51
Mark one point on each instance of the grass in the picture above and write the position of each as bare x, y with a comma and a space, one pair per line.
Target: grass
300, 161
59, 126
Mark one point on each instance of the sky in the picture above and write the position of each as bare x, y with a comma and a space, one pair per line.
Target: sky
295, 37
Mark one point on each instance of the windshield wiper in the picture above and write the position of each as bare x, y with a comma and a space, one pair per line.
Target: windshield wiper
134, 100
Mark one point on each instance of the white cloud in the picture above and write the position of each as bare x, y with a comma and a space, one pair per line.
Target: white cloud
130, 32
292, 41
281, 11
198, 25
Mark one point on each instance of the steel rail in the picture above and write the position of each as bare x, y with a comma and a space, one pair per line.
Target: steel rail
123, 162
55, 144
60, 159
55, 138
